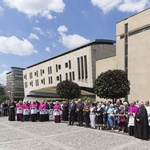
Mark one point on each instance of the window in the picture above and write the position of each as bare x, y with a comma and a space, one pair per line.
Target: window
85, 66
56, 68
44, 81
60, 77
57, 78
82, 68
139, 31
41, 71
70, 76
26, 84
59, 66
30, 75
78, 64
73, 76
51, 80
69, 64
66, 65
37, 82
66, 76
49, 70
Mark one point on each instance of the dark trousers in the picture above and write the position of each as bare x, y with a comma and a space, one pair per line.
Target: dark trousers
131, 130
87, 119
5, 111
80, 117
71, 118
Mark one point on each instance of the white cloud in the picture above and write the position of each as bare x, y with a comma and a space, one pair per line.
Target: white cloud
47, 49
121, 5
3, 77
4, 66
70, 41
1, 10
12, 45
33, 36
106, 5
133, 5
37, 7
38, 29
62, 29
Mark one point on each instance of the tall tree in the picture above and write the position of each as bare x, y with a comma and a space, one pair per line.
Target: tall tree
112, 84
68, 89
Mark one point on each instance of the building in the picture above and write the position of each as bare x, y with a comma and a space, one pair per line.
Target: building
15, 88
132, 54
77, 65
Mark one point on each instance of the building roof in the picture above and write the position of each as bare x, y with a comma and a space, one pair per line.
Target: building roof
133, 15
15, 68
97, 41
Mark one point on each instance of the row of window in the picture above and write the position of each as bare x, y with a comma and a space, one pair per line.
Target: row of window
58, 67
82, 67
69, 76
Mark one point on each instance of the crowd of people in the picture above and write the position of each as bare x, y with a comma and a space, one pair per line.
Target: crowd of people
132, 118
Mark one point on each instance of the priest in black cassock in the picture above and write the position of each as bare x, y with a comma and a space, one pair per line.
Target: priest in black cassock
12, 113
141, 129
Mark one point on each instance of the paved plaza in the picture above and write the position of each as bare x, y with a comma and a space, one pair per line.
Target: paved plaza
51, 136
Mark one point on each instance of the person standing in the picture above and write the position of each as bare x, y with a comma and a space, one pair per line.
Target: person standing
110, 113
5, 109
12, 107
57, 112
141, 129
86, 114
26, 111
147, 106
92, 115
42, 110
72, 109
106, 107
19, 107
65, 111
99, 116
131, 114
33, 110
79, 110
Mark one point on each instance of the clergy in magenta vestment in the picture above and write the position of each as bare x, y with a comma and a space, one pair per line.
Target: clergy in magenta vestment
19, 108
42, 110
33, 111
57, 112
26, 111
131, 113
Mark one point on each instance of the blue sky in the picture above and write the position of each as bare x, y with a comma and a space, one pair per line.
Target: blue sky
34, 30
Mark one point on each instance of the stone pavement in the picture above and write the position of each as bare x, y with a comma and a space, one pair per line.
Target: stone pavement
51, 136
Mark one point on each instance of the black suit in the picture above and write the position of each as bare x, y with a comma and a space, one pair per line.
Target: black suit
72, 109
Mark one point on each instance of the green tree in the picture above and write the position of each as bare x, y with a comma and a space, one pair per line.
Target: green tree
3, 96
112, 84
68, 89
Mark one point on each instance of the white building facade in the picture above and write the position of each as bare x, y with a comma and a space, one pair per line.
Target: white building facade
77, 65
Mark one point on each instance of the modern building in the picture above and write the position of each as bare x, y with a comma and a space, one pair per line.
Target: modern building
132, 54
15, 88
77, 65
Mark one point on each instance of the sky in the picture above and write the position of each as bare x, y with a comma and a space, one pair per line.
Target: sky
34, 30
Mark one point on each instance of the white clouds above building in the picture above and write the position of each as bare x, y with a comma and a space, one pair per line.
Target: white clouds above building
121, 5
70, 41
12, 45
32, 8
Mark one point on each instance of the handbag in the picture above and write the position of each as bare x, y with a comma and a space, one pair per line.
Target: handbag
122, 119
